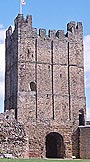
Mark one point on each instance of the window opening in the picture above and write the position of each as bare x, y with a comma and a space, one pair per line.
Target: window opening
33, 86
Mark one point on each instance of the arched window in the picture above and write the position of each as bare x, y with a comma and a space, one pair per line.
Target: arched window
33, 86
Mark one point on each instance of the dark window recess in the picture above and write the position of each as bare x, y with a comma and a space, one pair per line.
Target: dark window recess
7, 117
15, 113
28, 53
81, 117
60, 75
33, 86
49, 68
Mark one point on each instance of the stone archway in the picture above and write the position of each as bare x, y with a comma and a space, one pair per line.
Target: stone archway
55, 145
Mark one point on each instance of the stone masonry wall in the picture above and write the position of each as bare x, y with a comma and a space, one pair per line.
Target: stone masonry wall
48, 83
55, 64
11, 71
13, 139
84, 142
38, 133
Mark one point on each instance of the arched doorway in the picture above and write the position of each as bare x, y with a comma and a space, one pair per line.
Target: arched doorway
55, 145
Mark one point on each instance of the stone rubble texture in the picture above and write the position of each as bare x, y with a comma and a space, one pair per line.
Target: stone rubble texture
44, 86
13, 138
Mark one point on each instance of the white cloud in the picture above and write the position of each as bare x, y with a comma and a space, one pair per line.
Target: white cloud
87, 80
1, 83
87, 60
88, 114
1, 26
2, 32
2, 65
87, 53
2, 57
87, 69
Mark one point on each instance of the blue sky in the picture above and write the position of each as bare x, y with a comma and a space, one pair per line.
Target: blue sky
49, 14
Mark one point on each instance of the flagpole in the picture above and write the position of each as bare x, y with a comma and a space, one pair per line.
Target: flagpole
22, 2
20, 7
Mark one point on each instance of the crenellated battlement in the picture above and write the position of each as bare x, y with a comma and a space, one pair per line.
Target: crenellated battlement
73, 27
26, 24
51, 34
20, 20
9, 32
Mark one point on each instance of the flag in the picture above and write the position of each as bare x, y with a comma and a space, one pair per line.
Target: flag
23, 2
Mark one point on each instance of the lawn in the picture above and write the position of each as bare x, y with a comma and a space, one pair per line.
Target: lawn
40, 160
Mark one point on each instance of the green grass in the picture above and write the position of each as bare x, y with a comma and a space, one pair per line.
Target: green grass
41, 160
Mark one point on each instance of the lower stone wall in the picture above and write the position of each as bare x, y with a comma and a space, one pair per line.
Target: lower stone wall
13, 140
84, 142
33, 139
75, 143
39, 133
36, 138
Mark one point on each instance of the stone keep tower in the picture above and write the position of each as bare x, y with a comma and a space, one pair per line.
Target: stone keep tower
44, 83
